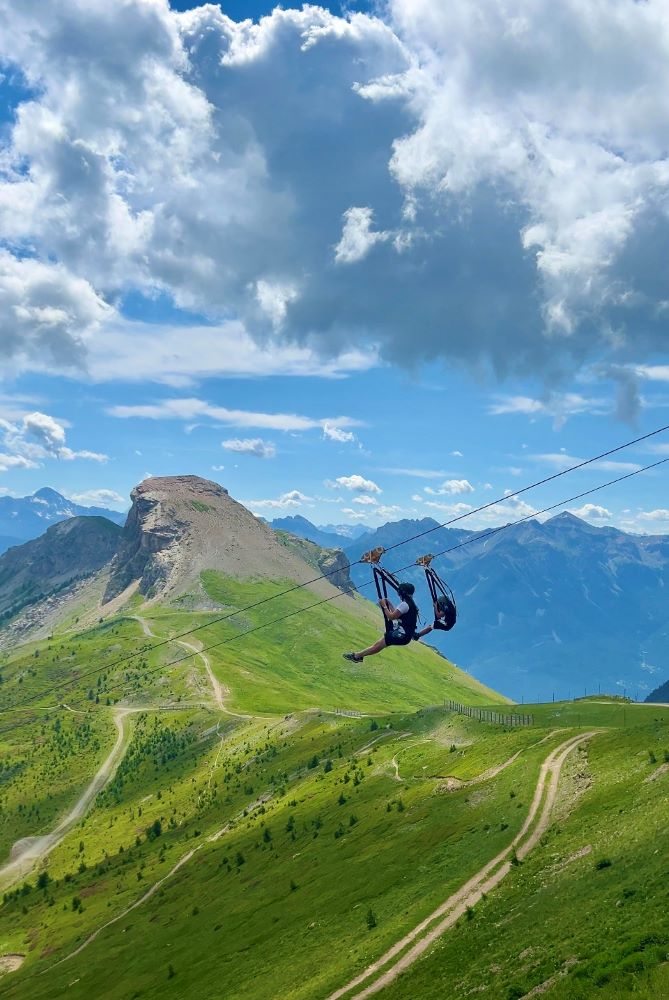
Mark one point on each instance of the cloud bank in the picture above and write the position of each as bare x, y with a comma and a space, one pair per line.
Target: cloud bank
479, 182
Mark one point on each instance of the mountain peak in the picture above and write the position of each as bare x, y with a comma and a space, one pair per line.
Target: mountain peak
179, 526
50, 495
566, 517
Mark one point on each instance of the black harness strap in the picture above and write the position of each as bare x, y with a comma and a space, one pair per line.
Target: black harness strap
437, 586
382, 580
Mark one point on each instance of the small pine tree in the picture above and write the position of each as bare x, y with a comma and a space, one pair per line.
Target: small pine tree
371, 919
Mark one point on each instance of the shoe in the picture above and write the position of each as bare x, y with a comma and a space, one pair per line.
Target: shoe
441, 626
352, 657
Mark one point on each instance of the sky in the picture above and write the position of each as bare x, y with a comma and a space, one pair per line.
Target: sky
358, 263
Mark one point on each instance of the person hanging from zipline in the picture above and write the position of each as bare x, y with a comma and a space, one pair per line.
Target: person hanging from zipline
400, 621
443, 601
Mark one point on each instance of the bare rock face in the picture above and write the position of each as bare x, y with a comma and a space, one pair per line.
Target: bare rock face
335, 566
179, 526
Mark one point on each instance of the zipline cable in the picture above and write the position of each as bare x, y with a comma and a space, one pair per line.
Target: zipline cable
478, 537
326, 576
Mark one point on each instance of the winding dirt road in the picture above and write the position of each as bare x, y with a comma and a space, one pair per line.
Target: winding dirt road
28, 851
219, 691
418, 940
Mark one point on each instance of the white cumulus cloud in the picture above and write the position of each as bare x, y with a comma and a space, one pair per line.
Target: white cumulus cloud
100, 498
592, 512
335, 433
250, 446
355, 483
154, 164
291, 499
451, 487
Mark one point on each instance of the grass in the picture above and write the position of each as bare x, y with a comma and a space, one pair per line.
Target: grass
302, 824
248, 914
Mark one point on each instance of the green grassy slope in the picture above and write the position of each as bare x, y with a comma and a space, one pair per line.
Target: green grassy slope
354, 819
297, 663
587, 914
285, 848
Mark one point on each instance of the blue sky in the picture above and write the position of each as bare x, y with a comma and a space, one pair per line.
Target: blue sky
328, 264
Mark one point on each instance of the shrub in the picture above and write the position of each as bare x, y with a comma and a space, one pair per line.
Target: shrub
371, 919
603, 863
374, 725
154, 830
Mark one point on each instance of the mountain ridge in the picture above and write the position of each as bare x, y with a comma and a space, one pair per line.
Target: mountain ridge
25, 518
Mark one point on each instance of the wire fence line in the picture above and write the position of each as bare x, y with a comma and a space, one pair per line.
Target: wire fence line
488, 715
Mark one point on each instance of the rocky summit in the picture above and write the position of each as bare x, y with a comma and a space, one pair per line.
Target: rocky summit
179, 526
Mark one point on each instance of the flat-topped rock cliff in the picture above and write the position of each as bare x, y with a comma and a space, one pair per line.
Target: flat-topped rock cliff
180, 525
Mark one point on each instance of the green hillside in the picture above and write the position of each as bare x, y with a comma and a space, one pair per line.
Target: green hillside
269, 847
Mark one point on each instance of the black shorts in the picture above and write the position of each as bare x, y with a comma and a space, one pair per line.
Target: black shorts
397, 637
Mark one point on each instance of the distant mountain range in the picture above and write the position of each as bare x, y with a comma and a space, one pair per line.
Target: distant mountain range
24, 518
328, 535
558, 608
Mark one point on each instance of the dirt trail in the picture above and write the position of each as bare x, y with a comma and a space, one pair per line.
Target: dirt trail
217, 688
453, 784
28, 851
424, 934
219, 691
151, 891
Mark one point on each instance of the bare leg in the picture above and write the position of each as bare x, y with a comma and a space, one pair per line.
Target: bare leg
424, 631
371, 650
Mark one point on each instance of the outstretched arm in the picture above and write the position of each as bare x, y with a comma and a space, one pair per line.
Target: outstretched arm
389, 610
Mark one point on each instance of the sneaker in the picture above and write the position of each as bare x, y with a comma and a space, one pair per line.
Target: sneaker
352, 657
441, 626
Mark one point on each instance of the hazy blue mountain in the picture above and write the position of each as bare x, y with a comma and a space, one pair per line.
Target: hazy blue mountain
561, 607
660, 694
300, 526
24, 518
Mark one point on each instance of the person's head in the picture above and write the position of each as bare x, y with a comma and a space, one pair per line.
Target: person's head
406, 590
